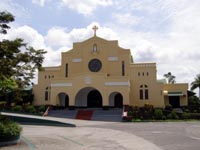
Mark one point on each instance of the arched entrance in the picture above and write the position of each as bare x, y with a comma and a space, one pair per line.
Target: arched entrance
88, 97
63, 99
116, 100
94, 99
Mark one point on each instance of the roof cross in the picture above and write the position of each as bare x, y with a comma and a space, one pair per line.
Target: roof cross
95, 28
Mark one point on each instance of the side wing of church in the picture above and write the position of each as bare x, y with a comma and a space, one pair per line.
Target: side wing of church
99, 73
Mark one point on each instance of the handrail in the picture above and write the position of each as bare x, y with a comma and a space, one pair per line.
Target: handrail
46, 112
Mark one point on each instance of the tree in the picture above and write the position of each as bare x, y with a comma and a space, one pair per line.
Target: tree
7, 85
170, 78
196, 84
5, 18
18, 61
193, 100
17, 64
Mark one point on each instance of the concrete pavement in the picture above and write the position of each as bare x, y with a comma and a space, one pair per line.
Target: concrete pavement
80, 138
98, 135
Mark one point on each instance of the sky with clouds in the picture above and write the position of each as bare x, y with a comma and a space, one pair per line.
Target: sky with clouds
163, 31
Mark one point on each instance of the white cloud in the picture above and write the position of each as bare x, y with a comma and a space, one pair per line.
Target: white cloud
30, 36
175, 48
86, 7
58, 37
14, 8
163, 31
126, 19
183, 33
39, 2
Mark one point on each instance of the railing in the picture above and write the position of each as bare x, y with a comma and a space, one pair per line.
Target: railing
46, 112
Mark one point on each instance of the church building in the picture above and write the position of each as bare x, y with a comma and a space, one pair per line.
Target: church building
98, 73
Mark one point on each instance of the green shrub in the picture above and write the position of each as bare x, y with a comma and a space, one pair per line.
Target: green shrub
30, 109
172, 115
130, 113
158, 113
2, 104
186, 115
148, 107
134, 112
195, 111
168, 107
2, 118
17, 108
41, 108
164, 117
193, 100
9, 128
135, 108
136, 120
187, 110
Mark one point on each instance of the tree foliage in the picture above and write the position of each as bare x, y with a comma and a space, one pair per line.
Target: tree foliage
196, 84
170, 78
17, 64
18, 61
7, 85
5, 18
193, 100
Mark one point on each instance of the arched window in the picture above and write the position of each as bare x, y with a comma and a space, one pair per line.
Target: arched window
123, 68
94, 48
141, 92
47, 93
144, 92
66, 70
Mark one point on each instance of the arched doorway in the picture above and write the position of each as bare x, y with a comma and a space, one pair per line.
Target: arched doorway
63, 99
94, 99
88, 97
116, 100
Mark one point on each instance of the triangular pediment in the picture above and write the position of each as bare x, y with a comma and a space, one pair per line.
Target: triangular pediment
95, 39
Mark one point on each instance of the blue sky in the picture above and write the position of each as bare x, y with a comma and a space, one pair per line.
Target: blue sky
163, 31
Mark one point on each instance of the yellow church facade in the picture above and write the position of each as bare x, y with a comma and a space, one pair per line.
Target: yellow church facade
99, 73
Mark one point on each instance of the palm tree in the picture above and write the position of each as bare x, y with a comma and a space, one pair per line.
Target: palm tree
196, 84
170, 78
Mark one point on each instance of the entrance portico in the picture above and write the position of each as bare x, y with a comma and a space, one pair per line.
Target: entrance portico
88, 97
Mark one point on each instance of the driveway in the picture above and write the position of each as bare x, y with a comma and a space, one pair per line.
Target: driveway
94, 135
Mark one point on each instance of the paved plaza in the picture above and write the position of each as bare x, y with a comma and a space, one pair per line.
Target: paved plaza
98, 135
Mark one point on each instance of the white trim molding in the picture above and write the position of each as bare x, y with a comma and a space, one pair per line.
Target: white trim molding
112, 58
51, 68
117, 83
61, 84
77, 60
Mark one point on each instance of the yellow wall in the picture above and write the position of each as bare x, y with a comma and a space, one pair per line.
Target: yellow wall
145, 74
177, 88
108, 80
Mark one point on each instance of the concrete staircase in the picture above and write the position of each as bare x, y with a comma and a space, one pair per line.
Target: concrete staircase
84, 114
113, 114
64, 113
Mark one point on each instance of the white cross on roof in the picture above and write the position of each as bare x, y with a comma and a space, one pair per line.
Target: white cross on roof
95, 28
